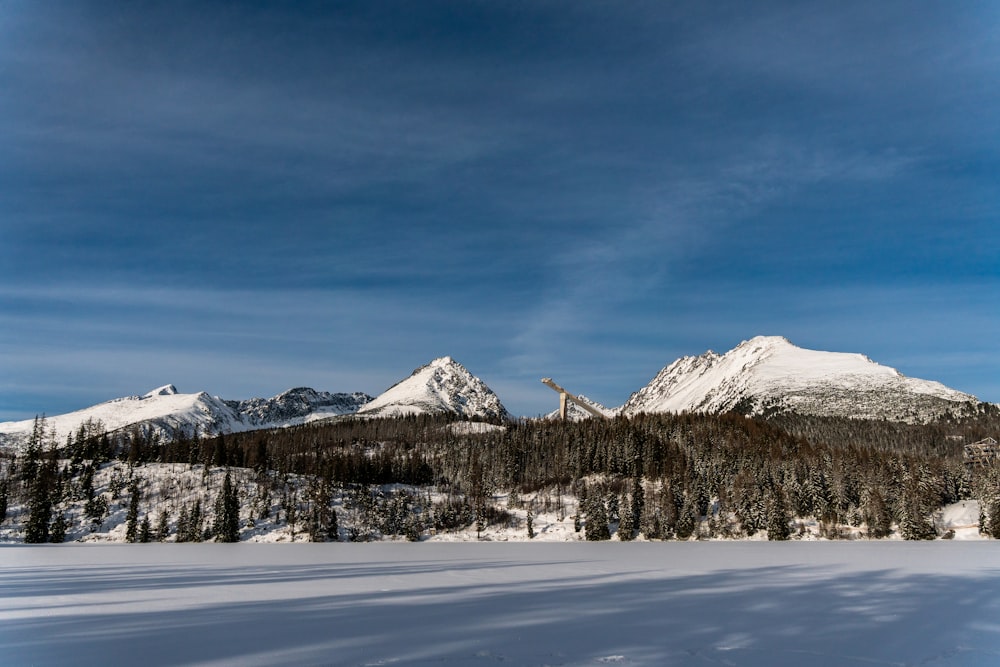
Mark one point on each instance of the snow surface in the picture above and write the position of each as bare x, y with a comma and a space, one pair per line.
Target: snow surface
163, 405
769, 372
746, 604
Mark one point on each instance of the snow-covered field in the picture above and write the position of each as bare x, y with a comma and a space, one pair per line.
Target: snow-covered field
718, 603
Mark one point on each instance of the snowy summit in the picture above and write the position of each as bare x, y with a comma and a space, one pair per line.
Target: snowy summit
769, 375
442, 386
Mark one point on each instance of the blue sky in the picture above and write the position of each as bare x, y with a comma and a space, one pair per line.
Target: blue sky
242, 198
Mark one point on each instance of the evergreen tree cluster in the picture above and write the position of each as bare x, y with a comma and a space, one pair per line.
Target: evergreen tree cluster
659, 476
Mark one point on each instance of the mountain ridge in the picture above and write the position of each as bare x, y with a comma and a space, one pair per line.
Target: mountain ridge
442, 386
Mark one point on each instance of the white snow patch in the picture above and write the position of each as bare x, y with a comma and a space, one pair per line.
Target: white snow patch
469, 428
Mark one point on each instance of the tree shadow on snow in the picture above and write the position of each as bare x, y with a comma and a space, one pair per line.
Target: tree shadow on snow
787, 615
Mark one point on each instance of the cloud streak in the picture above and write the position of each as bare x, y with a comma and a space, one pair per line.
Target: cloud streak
534, 189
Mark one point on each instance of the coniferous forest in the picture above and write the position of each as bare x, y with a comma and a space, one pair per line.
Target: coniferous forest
653, 477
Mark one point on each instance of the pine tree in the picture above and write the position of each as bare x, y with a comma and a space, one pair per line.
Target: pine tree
777, 517
227, 513
877, 516
626, 527
638, 504
39, 506
322, 517
162, 526
596, 527
132, 518
3, 500
33, 451
480, 519
183, 524
687, 519
913, 524
993, 521
195, 520
412, 528
57, 533
290, 503
145, 532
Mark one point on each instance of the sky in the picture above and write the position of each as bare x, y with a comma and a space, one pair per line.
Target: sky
241, 198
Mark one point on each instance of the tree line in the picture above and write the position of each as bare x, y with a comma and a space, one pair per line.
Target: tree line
662, 476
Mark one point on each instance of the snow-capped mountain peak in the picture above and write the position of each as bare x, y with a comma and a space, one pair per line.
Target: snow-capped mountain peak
165, 390
442, 386
768, 374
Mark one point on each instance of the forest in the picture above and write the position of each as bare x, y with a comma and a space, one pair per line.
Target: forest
652, 477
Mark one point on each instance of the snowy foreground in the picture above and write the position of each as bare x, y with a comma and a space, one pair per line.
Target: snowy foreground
718, 603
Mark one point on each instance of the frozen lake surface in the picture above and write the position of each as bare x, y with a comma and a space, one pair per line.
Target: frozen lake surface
718, 603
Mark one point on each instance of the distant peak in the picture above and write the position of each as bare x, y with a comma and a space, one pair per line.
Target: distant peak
165, 390
442, 361
766, 340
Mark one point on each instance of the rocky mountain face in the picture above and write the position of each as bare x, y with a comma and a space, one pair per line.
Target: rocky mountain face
442, 386
296, 406
768, 375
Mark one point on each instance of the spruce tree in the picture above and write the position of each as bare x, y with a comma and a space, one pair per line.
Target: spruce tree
57, 533
412, 528
183, 524
227, 513
162, 526
39, 506
638, 499
3, 500
195, 520
145, 531
687, 519
914, 524
877, 516
626, 527
993, 521
596, 527
322, 517
132, 518
777, 518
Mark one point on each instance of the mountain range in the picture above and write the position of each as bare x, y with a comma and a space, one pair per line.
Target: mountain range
763, 376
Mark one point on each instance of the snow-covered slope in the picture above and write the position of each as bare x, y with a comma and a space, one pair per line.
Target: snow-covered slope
575, 413
768, 374
170, 413
163, 409
442, 386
